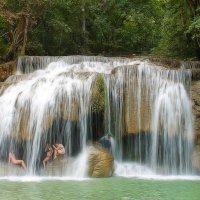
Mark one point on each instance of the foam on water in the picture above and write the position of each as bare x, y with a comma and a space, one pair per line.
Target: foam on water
41, 178
132, 169
137, 170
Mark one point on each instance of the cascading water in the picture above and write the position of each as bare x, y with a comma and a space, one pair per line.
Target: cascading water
147, 109
157, 113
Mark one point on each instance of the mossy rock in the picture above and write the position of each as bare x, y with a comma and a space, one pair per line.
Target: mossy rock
98, 95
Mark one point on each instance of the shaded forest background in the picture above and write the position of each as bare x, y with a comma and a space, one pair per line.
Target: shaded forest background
100, 27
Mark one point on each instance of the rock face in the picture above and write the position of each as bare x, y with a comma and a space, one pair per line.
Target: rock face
7, 70
196, 109
195, 94
134, 123
196, 158
100, 162
56, 167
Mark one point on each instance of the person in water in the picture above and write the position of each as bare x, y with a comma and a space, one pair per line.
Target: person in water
105, 141
12, 159
58, 150
48, 153
53, 152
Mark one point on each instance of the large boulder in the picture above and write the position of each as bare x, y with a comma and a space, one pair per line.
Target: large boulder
100, 162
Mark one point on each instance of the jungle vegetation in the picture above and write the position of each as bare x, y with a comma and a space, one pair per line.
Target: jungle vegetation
168, 28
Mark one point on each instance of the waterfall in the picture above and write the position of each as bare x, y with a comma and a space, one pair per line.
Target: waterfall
50, 100
157, 113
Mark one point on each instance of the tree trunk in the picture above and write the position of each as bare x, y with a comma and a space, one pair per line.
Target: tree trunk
193, 6
23, 46
83, 27
17, 36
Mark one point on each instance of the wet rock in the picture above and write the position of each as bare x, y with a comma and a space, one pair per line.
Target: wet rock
56, 167
7, 169
6, 70
132, 121
196, 158
195, 96
167, 62
100, 162
137, 123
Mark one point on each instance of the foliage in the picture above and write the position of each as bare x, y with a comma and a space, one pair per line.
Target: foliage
194, 28
175, 40
3, 42
108, 27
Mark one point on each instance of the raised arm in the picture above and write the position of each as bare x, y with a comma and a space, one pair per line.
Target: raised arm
56, 148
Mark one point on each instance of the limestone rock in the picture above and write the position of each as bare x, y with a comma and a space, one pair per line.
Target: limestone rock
196, 158
100, 162
195, 93
135, 124
6, 70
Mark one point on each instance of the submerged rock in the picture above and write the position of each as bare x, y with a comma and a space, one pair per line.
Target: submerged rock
100, 162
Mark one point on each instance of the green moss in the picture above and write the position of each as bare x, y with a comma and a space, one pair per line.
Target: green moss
98, 95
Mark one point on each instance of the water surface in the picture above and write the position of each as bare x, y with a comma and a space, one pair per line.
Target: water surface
109, 188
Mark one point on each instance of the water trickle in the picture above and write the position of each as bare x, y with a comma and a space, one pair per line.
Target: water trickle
147, 109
